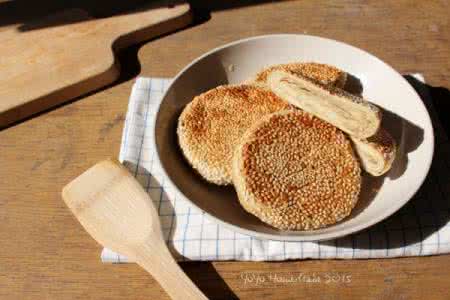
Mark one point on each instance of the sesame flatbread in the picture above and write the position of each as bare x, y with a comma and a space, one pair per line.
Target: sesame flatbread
296, 172
211, 125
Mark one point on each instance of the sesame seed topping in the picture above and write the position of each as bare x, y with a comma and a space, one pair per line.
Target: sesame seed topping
211, 125
322, 73
296, 172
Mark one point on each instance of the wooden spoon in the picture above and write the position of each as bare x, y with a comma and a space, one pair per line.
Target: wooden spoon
117, 212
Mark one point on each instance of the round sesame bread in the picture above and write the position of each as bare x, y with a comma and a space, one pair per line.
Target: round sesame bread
296, 172
325, 74
211, 125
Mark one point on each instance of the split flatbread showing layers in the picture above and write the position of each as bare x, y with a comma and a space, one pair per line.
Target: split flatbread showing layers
352, 114
211, 125
376, 153
296, 172
325, 74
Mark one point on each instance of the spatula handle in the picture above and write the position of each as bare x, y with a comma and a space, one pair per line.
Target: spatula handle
157, 260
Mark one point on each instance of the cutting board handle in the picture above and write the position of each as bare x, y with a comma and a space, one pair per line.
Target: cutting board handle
68, 54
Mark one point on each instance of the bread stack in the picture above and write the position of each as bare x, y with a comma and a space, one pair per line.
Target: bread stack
286, 139
352, 114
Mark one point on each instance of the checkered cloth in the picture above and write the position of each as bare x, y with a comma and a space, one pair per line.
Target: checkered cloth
421, 227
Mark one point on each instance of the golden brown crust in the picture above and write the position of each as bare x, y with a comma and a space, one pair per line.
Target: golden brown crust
322, 73
296, 172
210, 126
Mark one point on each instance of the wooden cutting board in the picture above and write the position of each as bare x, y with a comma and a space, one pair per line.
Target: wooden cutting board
50, 63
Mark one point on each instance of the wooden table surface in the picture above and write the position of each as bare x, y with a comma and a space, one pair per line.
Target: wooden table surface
45, 253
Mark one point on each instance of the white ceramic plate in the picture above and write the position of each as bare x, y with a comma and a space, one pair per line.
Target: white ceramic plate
405, 117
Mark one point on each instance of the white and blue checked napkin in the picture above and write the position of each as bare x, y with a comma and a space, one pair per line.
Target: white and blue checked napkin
422, 227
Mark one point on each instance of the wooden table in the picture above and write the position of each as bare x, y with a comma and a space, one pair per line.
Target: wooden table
45, 253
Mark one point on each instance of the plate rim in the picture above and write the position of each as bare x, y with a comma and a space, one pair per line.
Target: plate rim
298, 238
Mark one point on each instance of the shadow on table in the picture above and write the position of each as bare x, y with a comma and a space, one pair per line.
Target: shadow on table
25, 12
437, 102
429, 210
205, 276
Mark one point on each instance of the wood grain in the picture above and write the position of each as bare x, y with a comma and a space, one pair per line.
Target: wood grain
45, 254
43, 67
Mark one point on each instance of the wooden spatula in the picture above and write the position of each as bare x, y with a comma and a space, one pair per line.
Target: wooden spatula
117, 212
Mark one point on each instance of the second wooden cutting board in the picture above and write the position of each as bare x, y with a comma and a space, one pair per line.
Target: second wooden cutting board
46, 66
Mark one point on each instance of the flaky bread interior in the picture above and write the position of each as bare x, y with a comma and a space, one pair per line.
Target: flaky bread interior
376, 153
353, 115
